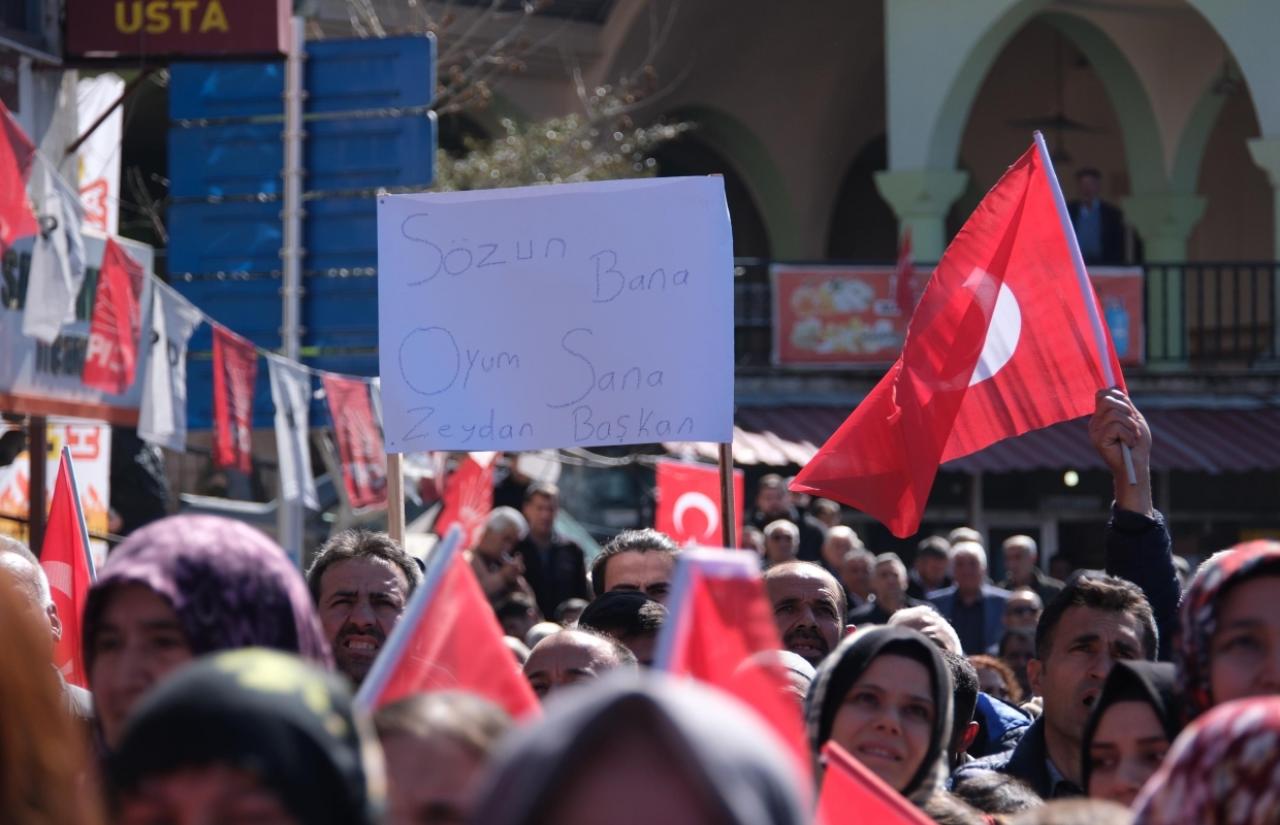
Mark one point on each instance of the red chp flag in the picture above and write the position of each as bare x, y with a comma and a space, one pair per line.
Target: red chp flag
68, 565
468, 497
721, 632
116, 327
364, 469
1007, 338
235, 369
16, 153
852, 794
689, 503
448, 639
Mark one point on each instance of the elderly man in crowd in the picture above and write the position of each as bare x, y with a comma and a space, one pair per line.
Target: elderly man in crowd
497, 566
974, 607
572, 656
360, 582
773, 502
855, 574
1021, 568
808, 608
781, 542
929, 570
890, 585
33, 591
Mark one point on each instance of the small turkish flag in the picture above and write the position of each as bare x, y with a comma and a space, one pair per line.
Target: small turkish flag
448, 639
1007, 338
66, 561
468, 497
721, 631
852, 794
689, 503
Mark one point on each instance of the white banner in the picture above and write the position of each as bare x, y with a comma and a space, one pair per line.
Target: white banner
57, 261
291, 393
162, 418
100, 155
556, 316
90, 443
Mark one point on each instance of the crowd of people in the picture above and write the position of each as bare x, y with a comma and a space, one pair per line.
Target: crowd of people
220, 679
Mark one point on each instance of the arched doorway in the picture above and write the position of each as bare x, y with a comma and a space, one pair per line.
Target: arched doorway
863, 227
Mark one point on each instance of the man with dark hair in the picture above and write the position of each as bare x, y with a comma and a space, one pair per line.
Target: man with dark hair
890, 587
360, 582
517, 614
929, 570
1095, 621
1099, 226
808, 608
554, 566
963, 730
572, 656
639, 560
773, 502
629, 616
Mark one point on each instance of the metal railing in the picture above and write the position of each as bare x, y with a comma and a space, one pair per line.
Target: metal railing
1198, 315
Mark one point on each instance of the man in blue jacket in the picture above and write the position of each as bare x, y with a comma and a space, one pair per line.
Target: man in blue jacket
974, 607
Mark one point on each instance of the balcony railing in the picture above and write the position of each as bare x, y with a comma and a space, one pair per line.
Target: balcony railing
1201, 315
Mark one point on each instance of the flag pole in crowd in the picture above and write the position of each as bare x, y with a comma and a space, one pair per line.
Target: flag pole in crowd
1086, 286
395, 497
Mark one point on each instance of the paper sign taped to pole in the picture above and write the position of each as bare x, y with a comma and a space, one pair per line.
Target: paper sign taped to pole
556, 316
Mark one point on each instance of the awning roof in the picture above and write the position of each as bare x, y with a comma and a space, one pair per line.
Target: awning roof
1212, 440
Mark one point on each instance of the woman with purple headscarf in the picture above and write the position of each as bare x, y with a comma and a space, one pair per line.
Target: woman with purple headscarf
182, 587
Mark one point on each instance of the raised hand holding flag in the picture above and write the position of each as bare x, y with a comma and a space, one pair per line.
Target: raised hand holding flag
68, 564
448, 639
1007, 338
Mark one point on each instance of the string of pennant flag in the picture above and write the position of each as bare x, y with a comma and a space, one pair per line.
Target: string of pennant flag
116, 345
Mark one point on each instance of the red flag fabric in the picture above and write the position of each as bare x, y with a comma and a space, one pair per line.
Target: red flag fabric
68, 565
721, 631
689, 503
448, 639
904, 280
16, 153
1004, 340
468, 498
235, 369
364, 468
853, 794
116, 327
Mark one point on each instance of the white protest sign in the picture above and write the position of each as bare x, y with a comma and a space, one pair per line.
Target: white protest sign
556, 316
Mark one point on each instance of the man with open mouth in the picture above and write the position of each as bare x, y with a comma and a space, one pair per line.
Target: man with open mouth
361, 582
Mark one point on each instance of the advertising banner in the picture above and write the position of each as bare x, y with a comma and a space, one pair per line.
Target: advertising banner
90, 443
46, 379
133, 29
833, 316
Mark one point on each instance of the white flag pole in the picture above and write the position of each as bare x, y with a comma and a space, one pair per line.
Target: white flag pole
1086, 286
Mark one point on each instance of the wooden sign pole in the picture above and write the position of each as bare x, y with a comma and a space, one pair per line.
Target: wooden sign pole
395, 497
728, 505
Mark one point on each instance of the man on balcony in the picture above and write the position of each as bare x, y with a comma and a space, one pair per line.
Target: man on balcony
1099, 225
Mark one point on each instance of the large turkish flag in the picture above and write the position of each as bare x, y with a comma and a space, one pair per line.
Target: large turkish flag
1005, 339
689, 503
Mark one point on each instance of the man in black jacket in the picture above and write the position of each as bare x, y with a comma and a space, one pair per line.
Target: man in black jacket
773, 502
1099, 225
555, 567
